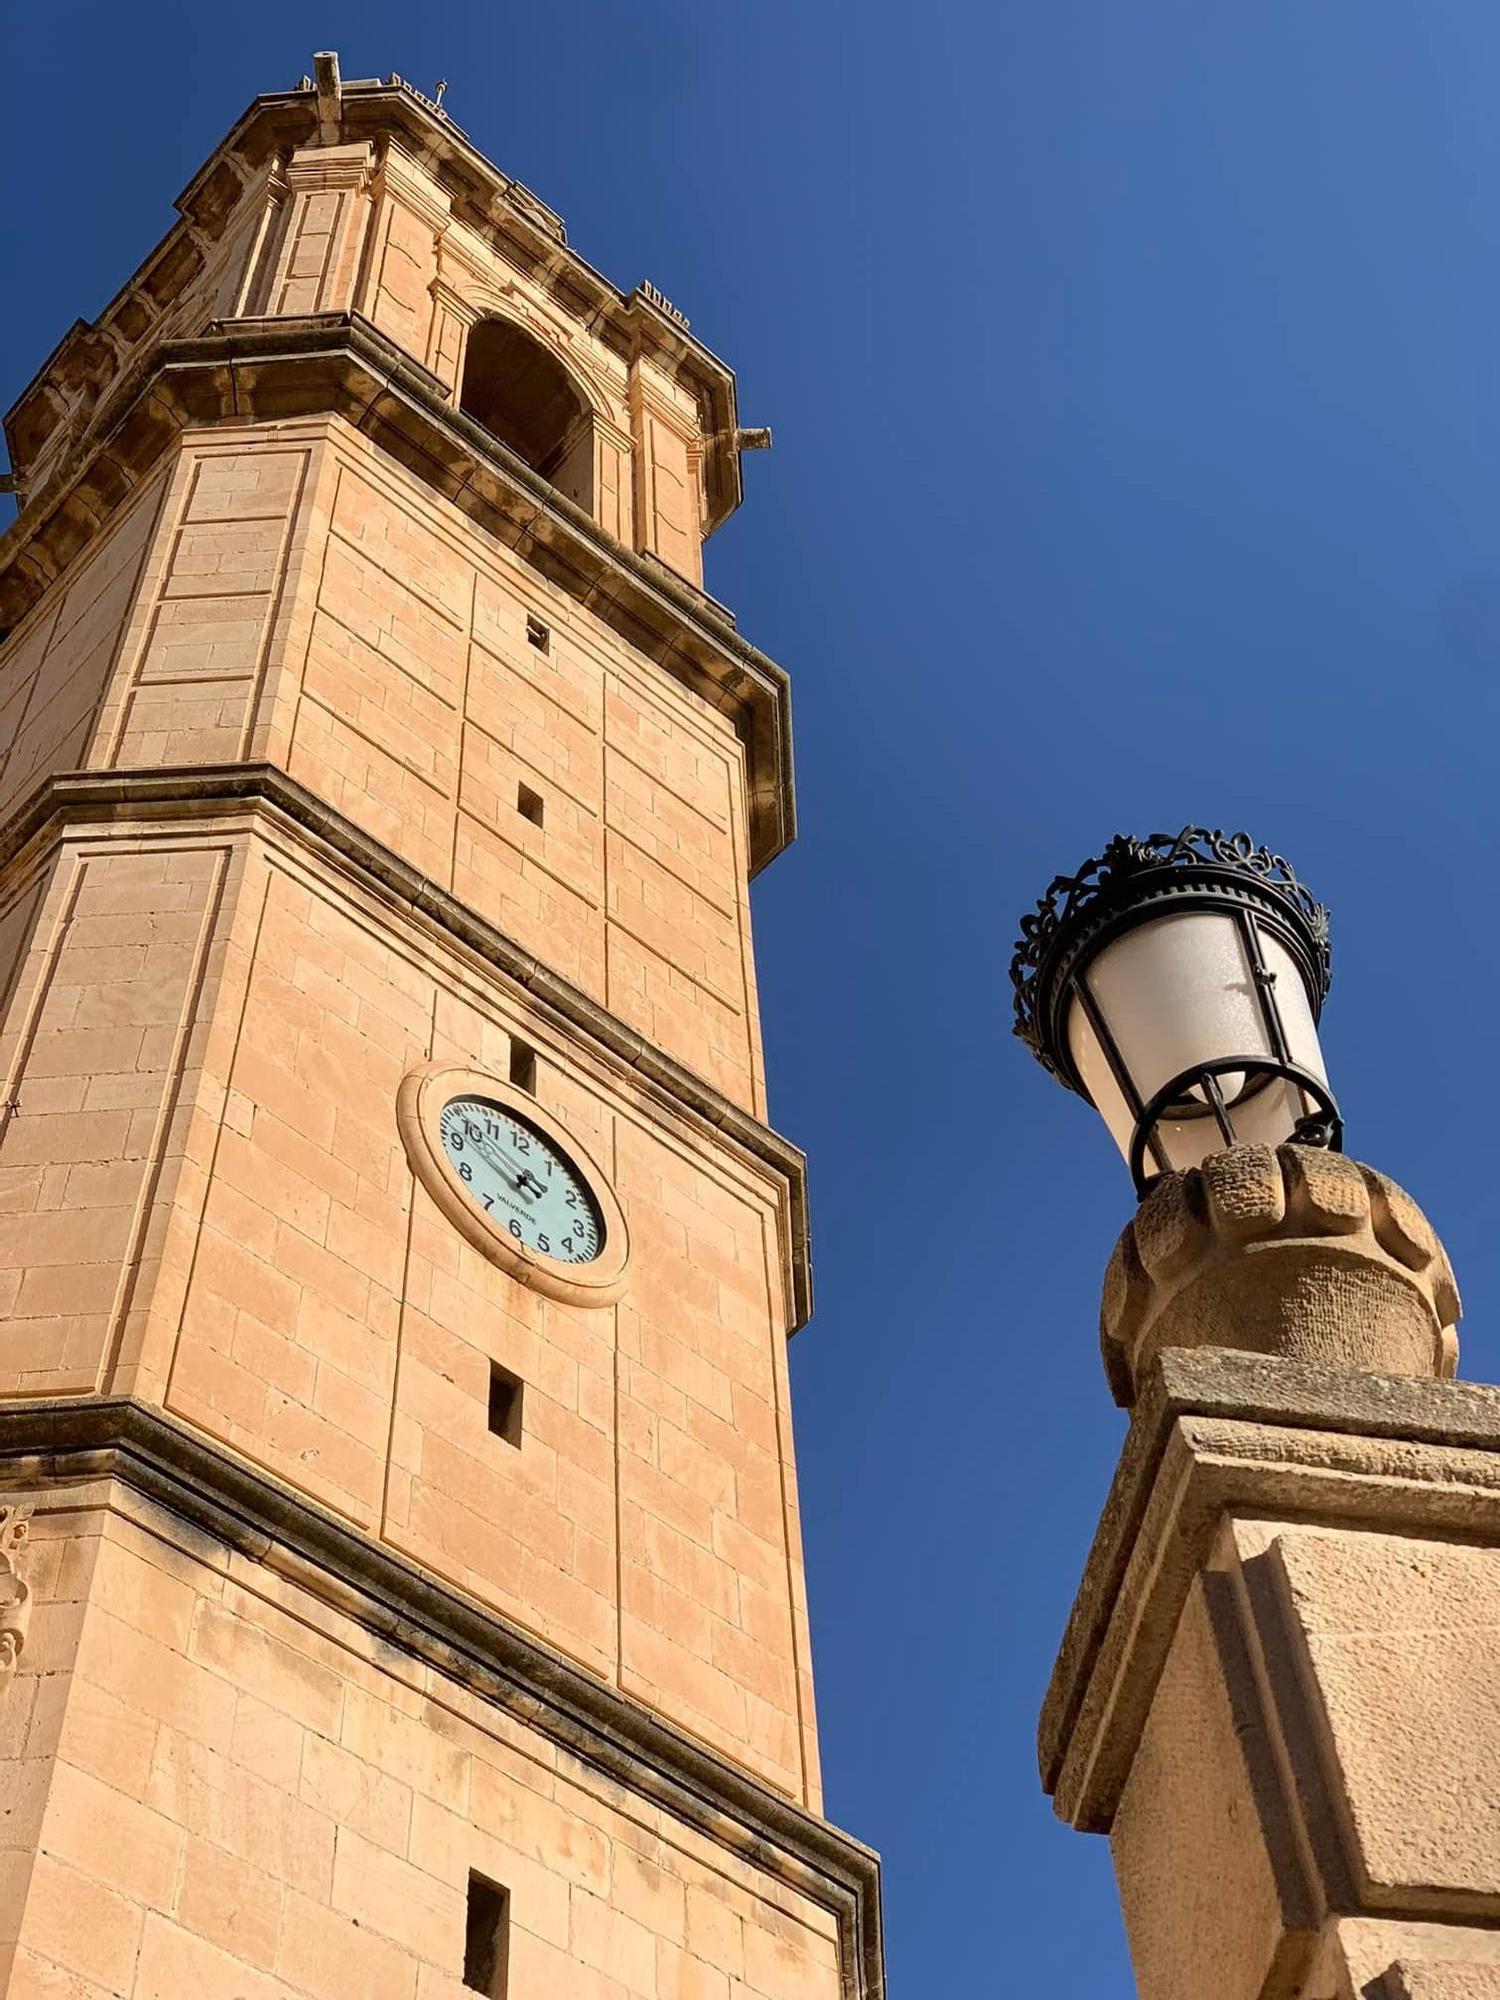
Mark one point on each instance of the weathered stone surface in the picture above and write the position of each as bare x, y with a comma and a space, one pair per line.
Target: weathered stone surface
1400, 1639
1278, 1687
1383, 1958
1294, 1252
258, 1755
1412, 1981
1214, 1430
1210, 1908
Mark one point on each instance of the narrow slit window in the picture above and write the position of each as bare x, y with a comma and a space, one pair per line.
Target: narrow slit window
487, 1937
523, 1065
505, 1405
538, 634
529, 805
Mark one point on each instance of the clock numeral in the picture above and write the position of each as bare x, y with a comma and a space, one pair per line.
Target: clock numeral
489, 1202
523, 1144
567, 1244
572, 1197
456, 1141
515, 1230
542, 1243
466, 1172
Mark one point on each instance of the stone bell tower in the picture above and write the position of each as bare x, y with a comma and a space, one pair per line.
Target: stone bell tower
400, 1580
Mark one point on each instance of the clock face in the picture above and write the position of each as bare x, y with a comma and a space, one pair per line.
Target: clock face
520, 1180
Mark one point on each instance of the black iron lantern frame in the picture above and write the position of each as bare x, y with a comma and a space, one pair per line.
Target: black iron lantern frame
1138, 881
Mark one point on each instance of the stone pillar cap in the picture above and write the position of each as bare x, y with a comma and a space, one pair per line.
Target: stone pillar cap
1292, 1251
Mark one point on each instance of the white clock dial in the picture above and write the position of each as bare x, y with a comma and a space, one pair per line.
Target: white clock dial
520, 1180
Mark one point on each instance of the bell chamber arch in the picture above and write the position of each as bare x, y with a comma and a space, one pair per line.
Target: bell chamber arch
517, 388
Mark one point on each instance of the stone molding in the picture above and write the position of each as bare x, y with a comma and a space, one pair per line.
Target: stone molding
317, 167
200, 792
15, 1593
1291, 1250
1216, 1431
273, 369
53, 1445
401, 178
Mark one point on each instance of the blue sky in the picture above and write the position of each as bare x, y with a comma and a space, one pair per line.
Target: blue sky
1133, 375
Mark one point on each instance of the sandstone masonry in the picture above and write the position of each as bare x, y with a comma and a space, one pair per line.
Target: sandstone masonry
360, 710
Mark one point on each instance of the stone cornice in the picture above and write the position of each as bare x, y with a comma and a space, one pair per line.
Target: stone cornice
267, 370
198, 792
1217, 1431
60, 1444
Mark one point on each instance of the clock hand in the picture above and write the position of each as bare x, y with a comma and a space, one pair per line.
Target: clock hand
504, 1163
525, 1179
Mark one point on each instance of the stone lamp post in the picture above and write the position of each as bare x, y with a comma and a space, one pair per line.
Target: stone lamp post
1279, 1688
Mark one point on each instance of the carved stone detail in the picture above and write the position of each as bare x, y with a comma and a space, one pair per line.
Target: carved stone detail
1292, 1251
15, 1593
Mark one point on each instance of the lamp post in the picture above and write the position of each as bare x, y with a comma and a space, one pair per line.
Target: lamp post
1275, 1690
1176, 981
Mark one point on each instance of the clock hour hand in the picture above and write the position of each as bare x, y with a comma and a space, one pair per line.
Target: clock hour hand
522, 1176
520, 1173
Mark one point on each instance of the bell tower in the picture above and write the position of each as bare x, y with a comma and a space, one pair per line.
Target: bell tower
400, 1580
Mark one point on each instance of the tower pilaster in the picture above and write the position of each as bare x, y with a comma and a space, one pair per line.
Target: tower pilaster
323, 227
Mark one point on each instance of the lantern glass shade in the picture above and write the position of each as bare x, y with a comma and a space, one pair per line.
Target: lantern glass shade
1176, 982
1208, 993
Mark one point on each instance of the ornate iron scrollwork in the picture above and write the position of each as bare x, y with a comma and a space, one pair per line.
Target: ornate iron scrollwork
1132, 869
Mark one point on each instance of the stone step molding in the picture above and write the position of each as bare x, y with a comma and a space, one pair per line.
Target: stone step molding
1292, 1251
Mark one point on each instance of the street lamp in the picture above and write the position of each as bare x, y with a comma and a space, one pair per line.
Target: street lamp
1176, 983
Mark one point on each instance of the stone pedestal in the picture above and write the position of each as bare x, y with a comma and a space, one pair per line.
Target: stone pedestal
1279, 1690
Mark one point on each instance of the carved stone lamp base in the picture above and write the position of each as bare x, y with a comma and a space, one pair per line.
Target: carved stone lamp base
1292, 1251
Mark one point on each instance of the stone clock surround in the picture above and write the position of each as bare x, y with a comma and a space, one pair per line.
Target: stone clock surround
424, 1092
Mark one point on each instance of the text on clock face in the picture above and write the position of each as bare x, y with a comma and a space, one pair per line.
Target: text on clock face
520, 1180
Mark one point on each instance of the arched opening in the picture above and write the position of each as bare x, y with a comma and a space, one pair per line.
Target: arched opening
518, 389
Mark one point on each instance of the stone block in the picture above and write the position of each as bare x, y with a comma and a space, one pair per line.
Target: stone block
1397, 1639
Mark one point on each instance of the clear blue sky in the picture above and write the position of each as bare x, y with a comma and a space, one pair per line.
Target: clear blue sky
1133, 375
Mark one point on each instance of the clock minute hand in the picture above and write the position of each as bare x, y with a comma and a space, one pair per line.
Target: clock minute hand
526, 1180
503, 1161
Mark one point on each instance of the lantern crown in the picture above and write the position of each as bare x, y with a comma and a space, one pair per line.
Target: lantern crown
1175, 981
1128, 883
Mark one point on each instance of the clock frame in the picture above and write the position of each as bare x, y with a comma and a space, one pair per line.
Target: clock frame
419, 1107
